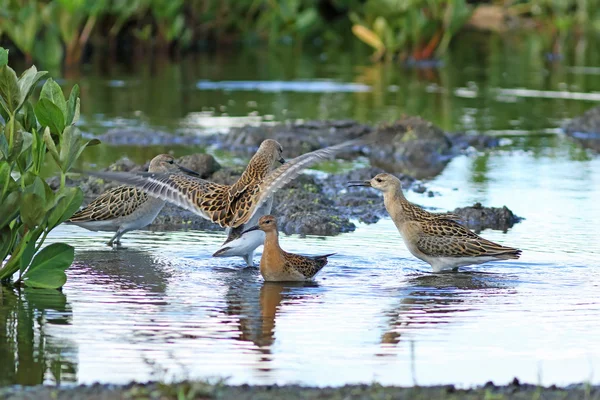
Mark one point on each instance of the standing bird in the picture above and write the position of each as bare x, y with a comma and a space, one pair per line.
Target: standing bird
233, 206
277, 265
435, 238
125, 208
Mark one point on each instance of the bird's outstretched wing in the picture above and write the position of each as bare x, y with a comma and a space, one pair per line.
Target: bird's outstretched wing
199, 196
286, 173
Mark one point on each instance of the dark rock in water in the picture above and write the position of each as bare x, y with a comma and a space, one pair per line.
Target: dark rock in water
303, 208
478, 217
204, 164
173, 218
296, 137
462, 141
585, 129
411, 145
148, 137
364, 204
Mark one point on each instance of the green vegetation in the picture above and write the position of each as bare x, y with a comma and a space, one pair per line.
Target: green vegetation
29, 208
59, 31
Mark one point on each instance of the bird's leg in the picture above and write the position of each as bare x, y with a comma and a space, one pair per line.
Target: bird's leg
249, 258
116, 239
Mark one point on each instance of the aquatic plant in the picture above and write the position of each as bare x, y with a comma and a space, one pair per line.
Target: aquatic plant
417, 29
29, 208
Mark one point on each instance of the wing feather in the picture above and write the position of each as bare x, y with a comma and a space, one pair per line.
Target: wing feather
194, 194
279, 177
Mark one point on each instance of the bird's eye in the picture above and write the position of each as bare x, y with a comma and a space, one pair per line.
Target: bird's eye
378, 179
171, 161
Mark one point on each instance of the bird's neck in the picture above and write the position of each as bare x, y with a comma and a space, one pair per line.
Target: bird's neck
272, 261
271, 241
258, 168
395, 203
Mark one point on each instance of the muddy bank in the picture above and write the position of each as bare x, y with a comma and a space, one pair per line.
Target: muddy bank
411, 146
585, 129
204, 390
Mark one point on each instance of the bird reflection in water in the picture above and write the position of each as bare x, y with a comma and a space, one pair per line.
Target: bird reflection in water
256, 304
126, 269
434, 299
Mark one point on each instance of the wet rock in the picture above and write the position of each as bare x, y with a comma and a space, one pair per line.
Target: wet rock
364, 204
585, 129
296, 137
149, 137
412, 146
480, 142
303, 208
204, 164
478, 217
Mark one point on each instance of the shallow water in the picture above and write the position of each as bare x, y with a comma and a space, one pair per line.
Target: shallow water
162, 308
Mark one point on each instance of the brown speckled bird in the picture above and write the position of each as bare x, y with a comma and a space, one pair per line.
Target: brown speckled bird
277, 265
230, 206
435, 238
125, 208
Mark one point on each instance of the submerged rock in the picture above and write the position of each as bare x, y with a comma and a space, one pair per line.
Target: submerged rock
413, 146
478, 217
296, 137
204, 164
585, 129
148, 137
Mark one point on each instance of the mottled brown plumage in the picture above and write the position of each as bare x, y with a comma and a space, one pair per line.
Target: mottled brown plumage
277, 265
234, 205
125, 208
435, 238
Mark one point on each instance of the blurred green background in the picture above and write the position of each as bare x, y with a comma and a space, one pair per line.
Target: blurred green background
69, 32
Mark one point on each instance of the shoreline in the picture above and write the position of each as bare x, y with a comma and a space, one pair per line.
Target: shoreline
220, 390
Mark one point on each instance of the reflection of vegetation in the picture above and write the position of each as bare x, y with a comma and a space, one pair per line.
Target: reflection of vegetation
29, 356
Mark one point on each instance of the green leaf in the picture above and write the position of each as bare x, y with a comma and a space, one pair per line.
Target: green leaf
73, 106
27, 253
48, 266
6, 241
27, 83
27, 141
66, 206
9, 90
37, 187
10, 208
3, 147
51, 146
93, 142
53, 92
3, 57
71, 147
50, 115
5, 178
29, 121
32, 210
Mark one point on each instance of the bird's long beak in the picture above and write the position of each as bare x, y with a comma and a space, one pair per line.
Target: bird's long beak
359, 183
187, 170
282, 160
254, 228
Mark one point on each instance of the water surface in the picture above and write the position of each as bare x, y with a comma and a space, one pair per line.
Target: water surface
162, 308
